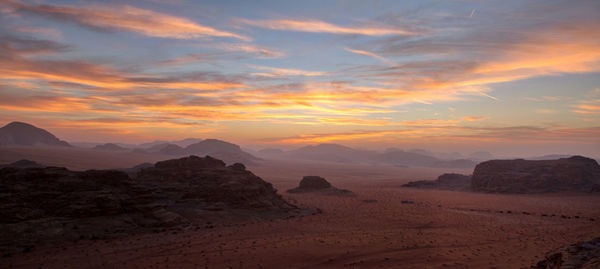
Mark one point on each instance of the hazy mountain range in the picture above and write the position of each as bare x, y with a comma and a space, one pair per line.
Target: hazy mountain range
23, 134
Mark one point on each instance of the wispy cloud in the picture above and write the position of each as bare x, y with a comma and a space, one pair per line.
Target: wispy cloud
369, 54
280, 72
124, 18
316, 26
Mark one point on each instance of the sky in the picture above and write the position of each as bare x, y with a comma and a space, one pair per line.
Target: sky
510, 77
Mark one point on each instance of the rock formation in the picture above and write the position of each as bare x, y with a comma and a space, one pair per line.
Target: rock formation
316, 184
207, 181
455, 182
584, 255
41, 205
23, 134
525, 176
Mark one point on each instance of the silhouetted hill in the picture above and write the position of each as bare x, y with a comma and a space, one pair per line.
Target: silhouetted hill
271, 151
110, 146
391, 156
182, 143
23, 134
481, 156
228, 152
317, 184
526, 176
23, 164
330, 153
41, 205
166, 148
403, 158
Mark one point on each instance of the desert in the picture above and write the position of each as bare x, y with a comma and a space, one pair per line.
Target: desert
439, 229
299, 134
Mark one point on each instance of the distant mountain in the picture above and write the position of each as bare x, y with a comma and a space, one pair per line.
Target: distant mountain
186, 142
182, 143
166, 148
24, 163
330, 153
110, 146
481, 156
404, 158
459, 163
271, 151
422, 152
228, 152
23, 134
391, 156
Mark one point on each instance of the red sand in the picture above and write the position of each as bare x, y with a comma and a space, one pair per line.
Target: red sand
443, 229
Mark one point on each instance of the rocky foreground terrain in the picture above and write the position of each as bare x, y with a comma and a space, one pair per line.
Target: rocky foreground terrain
581, 255
49, 204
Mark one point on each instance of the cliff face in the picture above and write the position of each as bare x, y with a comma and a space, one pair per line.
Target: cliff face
524, 176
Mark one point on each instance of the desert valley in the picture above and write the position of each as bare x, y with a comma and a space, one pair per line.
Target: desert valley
300, 134
155, 216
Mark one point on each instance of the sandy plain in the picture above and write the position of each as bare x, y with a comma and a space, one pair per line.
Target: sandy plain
404, 228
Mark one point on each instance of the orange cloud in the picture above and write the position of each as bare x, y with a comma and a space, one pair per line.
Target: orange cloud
125, 18
315, 26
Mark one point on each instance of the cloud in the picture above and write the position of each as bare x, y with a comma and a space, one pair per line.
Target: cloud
259, 51
369, 54
316, 26
281, 72
124, 18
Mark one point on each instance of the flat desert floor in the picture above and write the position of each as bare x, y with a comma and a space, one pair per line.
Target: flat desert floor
404, 228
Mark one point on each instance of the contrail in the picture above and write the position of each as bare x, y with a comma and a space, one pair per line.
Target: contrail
472, 13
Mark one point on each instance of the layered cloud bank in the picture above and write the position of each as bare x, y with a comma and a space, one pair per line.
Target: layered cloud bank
399, 74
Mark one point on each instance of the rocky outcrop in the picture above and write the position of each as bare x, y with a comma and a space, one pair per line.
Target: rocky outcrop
208, 182
526, 176
455, 182
583, 255
316, 184
41, 205
23, 134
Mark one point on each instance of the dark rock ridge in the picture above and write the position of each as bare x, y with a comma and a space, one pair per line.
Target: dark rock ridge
316, 184
584, 255
23, 164
23, 134
109, 146
455, 182
527, 176
42, 205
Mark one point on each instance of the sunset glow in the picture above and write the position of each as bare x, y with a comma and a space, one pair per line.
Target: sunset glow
491, 75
